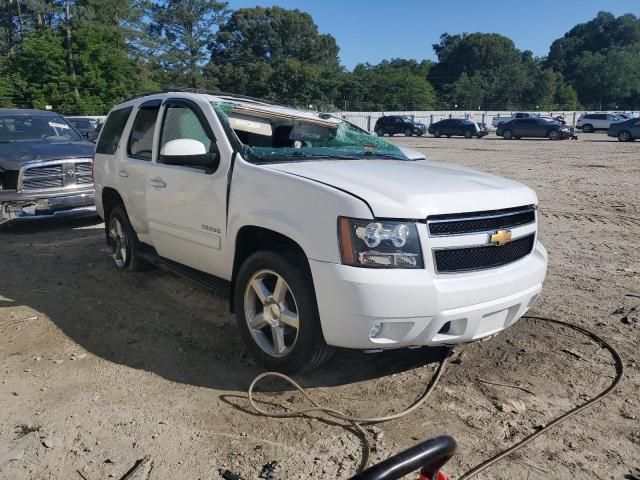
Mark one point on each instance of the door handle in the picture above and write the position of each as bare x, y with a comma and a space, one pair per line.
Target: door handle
157, 183
123, 173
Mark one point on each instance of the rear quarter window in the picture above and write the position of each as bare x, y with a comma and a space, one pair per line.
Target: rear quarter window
112, 131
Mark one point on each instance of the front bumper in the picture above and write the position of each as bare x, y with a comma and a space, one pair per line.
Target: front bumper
16, 206
374, 309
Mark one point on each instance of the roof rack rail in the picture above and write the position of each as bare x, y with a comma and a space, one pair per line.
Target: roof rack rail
207, 92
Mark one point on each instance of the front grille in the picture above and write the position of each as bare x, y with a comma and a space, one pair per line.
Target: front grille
459, 224
453, 260
56, 175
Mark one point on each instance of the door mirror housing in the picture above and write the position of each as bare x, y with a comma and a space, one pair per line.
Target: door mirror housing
188, 152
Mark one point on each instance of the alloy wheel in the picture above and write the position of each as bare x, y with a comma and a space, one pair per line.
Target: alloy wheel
119, 242
271, 313
624, 136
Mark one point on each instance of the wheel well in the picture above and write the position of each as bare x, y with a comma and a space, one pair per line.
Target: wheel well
251, 239
110, 199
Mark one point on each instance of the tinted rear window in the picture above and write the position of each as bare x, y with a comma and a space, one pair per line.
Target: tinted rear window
112, 131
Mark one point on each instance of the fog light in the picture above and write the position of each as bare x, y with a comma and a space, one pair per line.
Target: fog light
375, 330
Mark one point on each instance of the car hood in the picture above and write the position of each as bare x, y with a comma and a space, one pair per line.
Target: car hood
15, 154
414, 189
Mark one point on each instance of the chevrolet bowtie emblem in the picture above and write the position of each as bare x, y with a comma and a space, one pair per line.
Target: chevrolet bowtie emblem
501, 237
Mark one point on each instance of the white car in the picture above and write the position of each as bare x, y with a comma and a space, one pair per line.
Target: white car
324, 235
590, 122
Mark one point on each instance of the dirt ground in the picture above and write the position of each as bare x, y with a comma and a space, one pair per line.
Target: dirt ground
99, 369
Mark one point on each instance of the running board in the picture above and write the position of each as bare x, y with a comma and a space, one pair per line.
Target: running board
211, 283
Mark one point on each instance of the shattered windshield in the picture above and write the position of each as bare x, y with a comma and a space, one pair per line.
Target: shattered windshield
278, 135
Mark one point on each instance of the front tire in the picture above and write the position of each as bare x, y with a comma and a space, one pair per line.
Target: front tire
554, 135
277, 313
587, 128
507, 134
624, 136
124, 242
380, 133
468, 134
408, 133
437, 133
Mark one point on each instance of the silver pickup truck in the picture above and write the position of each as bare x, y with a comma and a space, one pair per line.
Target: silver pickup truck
496, 121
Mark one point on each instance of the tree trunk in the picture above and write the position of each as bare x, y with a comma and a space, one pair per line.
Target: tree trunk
8, 21
20, 23
71, 68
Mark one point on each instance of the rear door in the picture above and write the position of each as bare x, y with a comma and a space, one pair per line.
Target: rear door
398, 125
135, 163
600, 121
518, 128
187, 204
457, 127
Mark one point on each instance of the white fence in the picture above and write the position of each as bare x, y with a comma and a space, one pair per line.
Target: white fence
367, 120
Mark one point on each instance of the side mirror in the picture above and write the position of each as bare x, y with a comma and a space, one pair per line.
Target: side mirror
188, 152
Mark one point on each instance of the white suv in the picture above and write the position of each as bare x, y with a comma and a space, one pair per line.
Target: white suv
324, 235
590, 122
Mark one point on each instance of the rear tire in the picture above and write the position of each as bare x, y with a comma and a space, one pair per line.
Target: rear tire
124, 242
277, 313
624, 136
468, 134
587, 128
407, 133
507, 134
380, 133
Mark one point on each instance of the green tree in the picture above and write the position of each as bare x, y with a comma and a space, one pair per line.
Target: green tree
467, 92
600, 58
391, 85
185, 30
277, 54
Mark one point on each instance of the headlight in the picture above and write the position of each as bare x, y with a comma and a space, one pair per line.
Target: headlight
381, 244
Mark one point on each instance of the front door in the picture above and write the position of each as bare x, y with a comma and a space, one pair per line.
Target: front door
187, 204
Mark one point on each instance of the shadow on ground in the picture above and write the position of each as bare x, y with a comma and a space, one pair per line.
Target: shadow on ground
152, 321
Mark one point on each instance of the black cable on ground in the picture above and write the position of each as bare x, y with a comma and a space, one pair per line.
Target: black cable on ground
358, 422
618, 378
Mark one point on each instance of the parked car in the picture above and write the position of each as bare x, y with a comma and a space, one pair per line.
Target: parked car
626, 116
534, 128
590, 122
495, 121
395, 124
89, 128
626, 131
458, 127
322, 234
45, 167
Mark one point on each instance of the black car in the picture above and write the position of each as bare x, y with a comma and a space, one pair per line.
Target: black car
534, 128
459, 127
89, 128
45, 167
392, 124
626, 131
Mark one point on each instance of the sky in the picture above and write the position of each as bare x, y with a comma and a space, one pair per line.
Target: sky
374, 30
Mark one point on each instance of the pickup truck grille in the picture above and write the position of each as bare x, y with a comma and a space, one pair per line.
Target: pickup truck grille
446, 225
63, 174
452, 260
